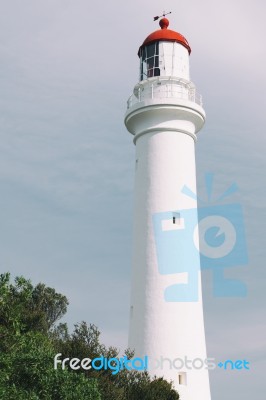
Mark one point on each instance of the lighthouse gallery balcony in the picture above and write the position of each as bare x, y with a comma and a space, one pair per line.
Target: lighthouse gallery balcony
164, 88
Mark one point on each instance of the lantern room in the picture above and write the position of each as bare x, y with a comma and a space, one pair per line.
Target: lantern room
164, 53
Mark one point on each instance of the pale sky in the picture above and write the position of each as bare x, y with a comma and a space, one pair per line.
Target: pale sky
67, 69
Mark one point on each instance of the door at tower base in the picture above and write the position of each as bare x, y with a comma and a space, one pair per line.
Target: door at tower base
164, 115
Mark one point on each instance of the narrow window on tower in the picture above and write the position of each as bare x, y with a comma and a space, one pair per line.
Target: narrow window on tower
176, 218
182, 378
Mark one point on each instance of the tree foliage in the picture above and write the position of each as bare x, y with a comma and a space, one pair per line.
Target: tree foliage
30, 338
27, 315
25, 308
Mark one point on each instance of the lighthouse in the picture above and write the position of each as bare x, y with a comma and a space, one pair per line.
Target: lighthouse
164, 115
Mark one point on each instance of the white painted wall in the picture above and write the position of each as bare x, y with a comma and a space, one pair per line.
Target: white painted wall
173, 60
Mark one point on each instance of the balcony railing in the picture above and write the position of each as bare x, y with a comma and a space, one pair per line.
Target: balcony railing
163, 90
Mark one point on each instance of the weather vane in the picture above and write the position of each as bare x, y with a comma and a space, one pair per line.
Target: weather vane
164, 14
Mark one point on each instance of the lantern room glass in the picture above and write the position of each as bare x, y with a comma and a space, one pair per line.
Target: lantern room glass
164, 59
149, 61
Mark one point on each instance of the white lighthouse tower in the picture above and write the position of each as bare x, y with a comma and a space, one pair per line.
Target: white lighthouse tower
165, 114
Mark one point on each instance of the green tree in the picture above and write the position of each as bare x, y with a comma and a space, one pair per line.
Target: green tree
30, 338
24, 307
26, 372
27, 314
126, 385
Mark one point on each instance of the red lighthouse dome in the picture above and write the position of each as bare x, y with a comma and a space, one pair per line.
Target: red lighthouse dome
164, 53
166, 35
